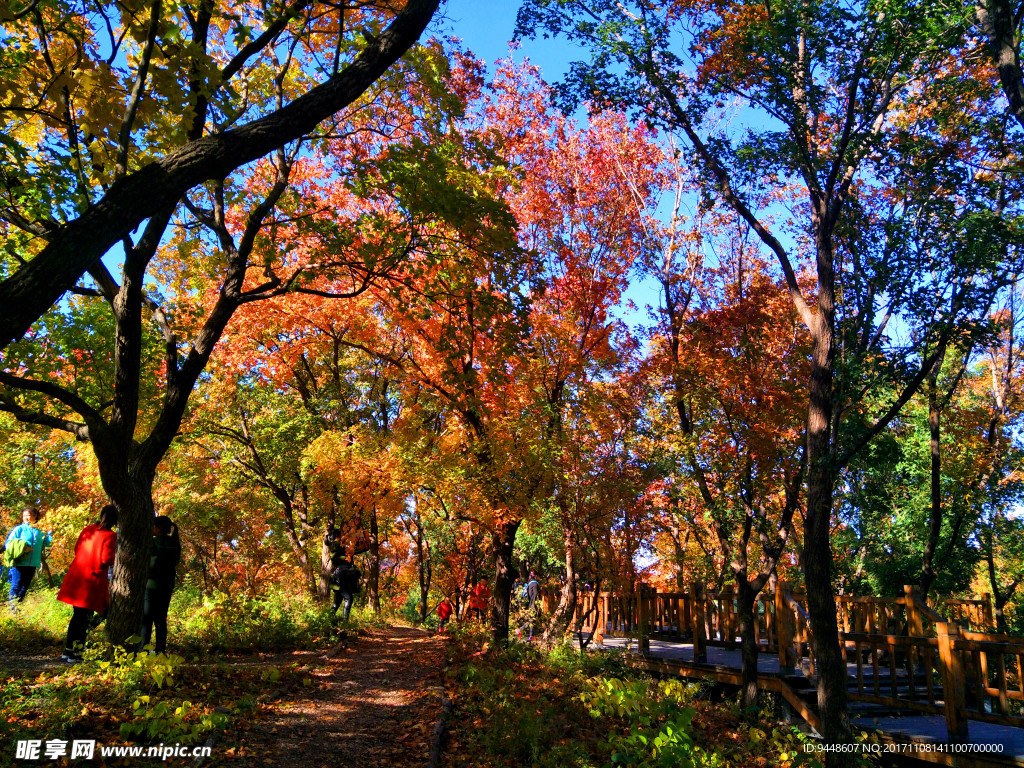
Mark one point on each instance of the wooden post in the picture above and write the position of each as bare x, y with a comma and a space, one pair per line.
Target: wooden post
915, 620
784, 629
726, 621
700, 654
986, 608
642, 616
953, 688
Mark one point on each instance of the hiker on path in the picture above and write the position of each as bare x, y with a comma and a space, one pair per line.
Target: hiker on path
86, 587
164, 555
444, 612
344, 573
531, 593
478, 599
23, 553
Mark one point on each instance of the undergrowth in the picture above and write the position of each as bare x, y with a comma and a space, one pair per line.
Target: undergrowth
183, 697
524, 706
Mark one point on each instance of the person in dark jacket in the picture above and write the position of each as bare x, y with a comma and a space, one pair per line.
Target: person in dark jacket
344, 573
164, 554
531, 592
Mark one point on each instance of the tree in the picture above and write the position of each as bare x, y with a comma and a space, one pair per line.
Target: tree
146, 349
257, 438
730, 358
826, 82
83, 171
1000, 22
582, 209
996, 485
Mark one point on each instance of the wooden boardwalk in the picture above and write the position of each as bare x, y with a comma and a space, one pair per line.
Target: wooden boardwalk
1001, 744
929, 687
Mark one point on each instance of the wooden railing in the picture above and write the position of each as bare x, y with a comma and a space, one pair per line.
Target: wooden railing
974, 615
900, 652
994, 676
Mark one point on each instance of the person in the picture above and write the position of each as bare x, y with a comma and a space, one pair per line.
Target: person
24, 568
344, 573
164, 554
478, 598
86, 585
531, 592
444, 612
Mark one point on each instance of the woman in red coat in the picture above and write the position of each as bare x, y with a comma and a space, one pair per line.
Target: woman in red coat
478, 600
444, 612
86, 587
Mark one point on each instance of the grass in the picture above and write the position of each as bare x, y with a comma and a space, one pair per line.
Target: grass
183, 697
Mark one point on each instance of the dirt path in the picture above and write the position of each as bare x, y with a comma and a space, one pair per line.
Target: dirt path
376, 705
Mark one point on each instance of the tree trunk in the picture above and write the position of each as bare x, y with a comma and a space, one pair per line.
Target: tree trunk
566, 609
133, 497
679, 549
997, 20
935, 517
817, 549
999, 599
324, 582
425, 572
301, 555
373, 564
746, 598
504, 577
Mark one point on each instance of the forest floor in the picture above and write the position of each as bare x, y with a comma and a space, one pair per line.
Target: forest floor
376, 702
371, 700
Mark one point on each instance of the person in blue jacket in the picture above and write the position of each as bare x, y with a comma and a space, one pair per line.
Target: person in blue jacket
24, 569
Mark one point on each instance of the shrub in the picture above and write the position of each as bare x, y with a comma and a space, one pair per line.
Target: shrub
241, 623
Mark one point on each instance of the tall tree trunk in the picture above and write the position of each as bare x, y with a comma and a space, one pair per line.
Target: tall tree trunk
1000, 596
935, 516
679, 549
298, 549
566, 609
998, 21
324, 582
817, 550
505, 574
999, 600
424, 571
373, 564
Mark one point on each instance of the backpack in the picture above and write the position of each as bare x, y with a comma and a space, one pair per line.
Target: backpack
346, 577
15, 552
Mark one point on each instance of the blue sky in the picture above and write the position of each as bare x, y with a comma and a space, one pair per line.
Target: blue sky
486, 26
